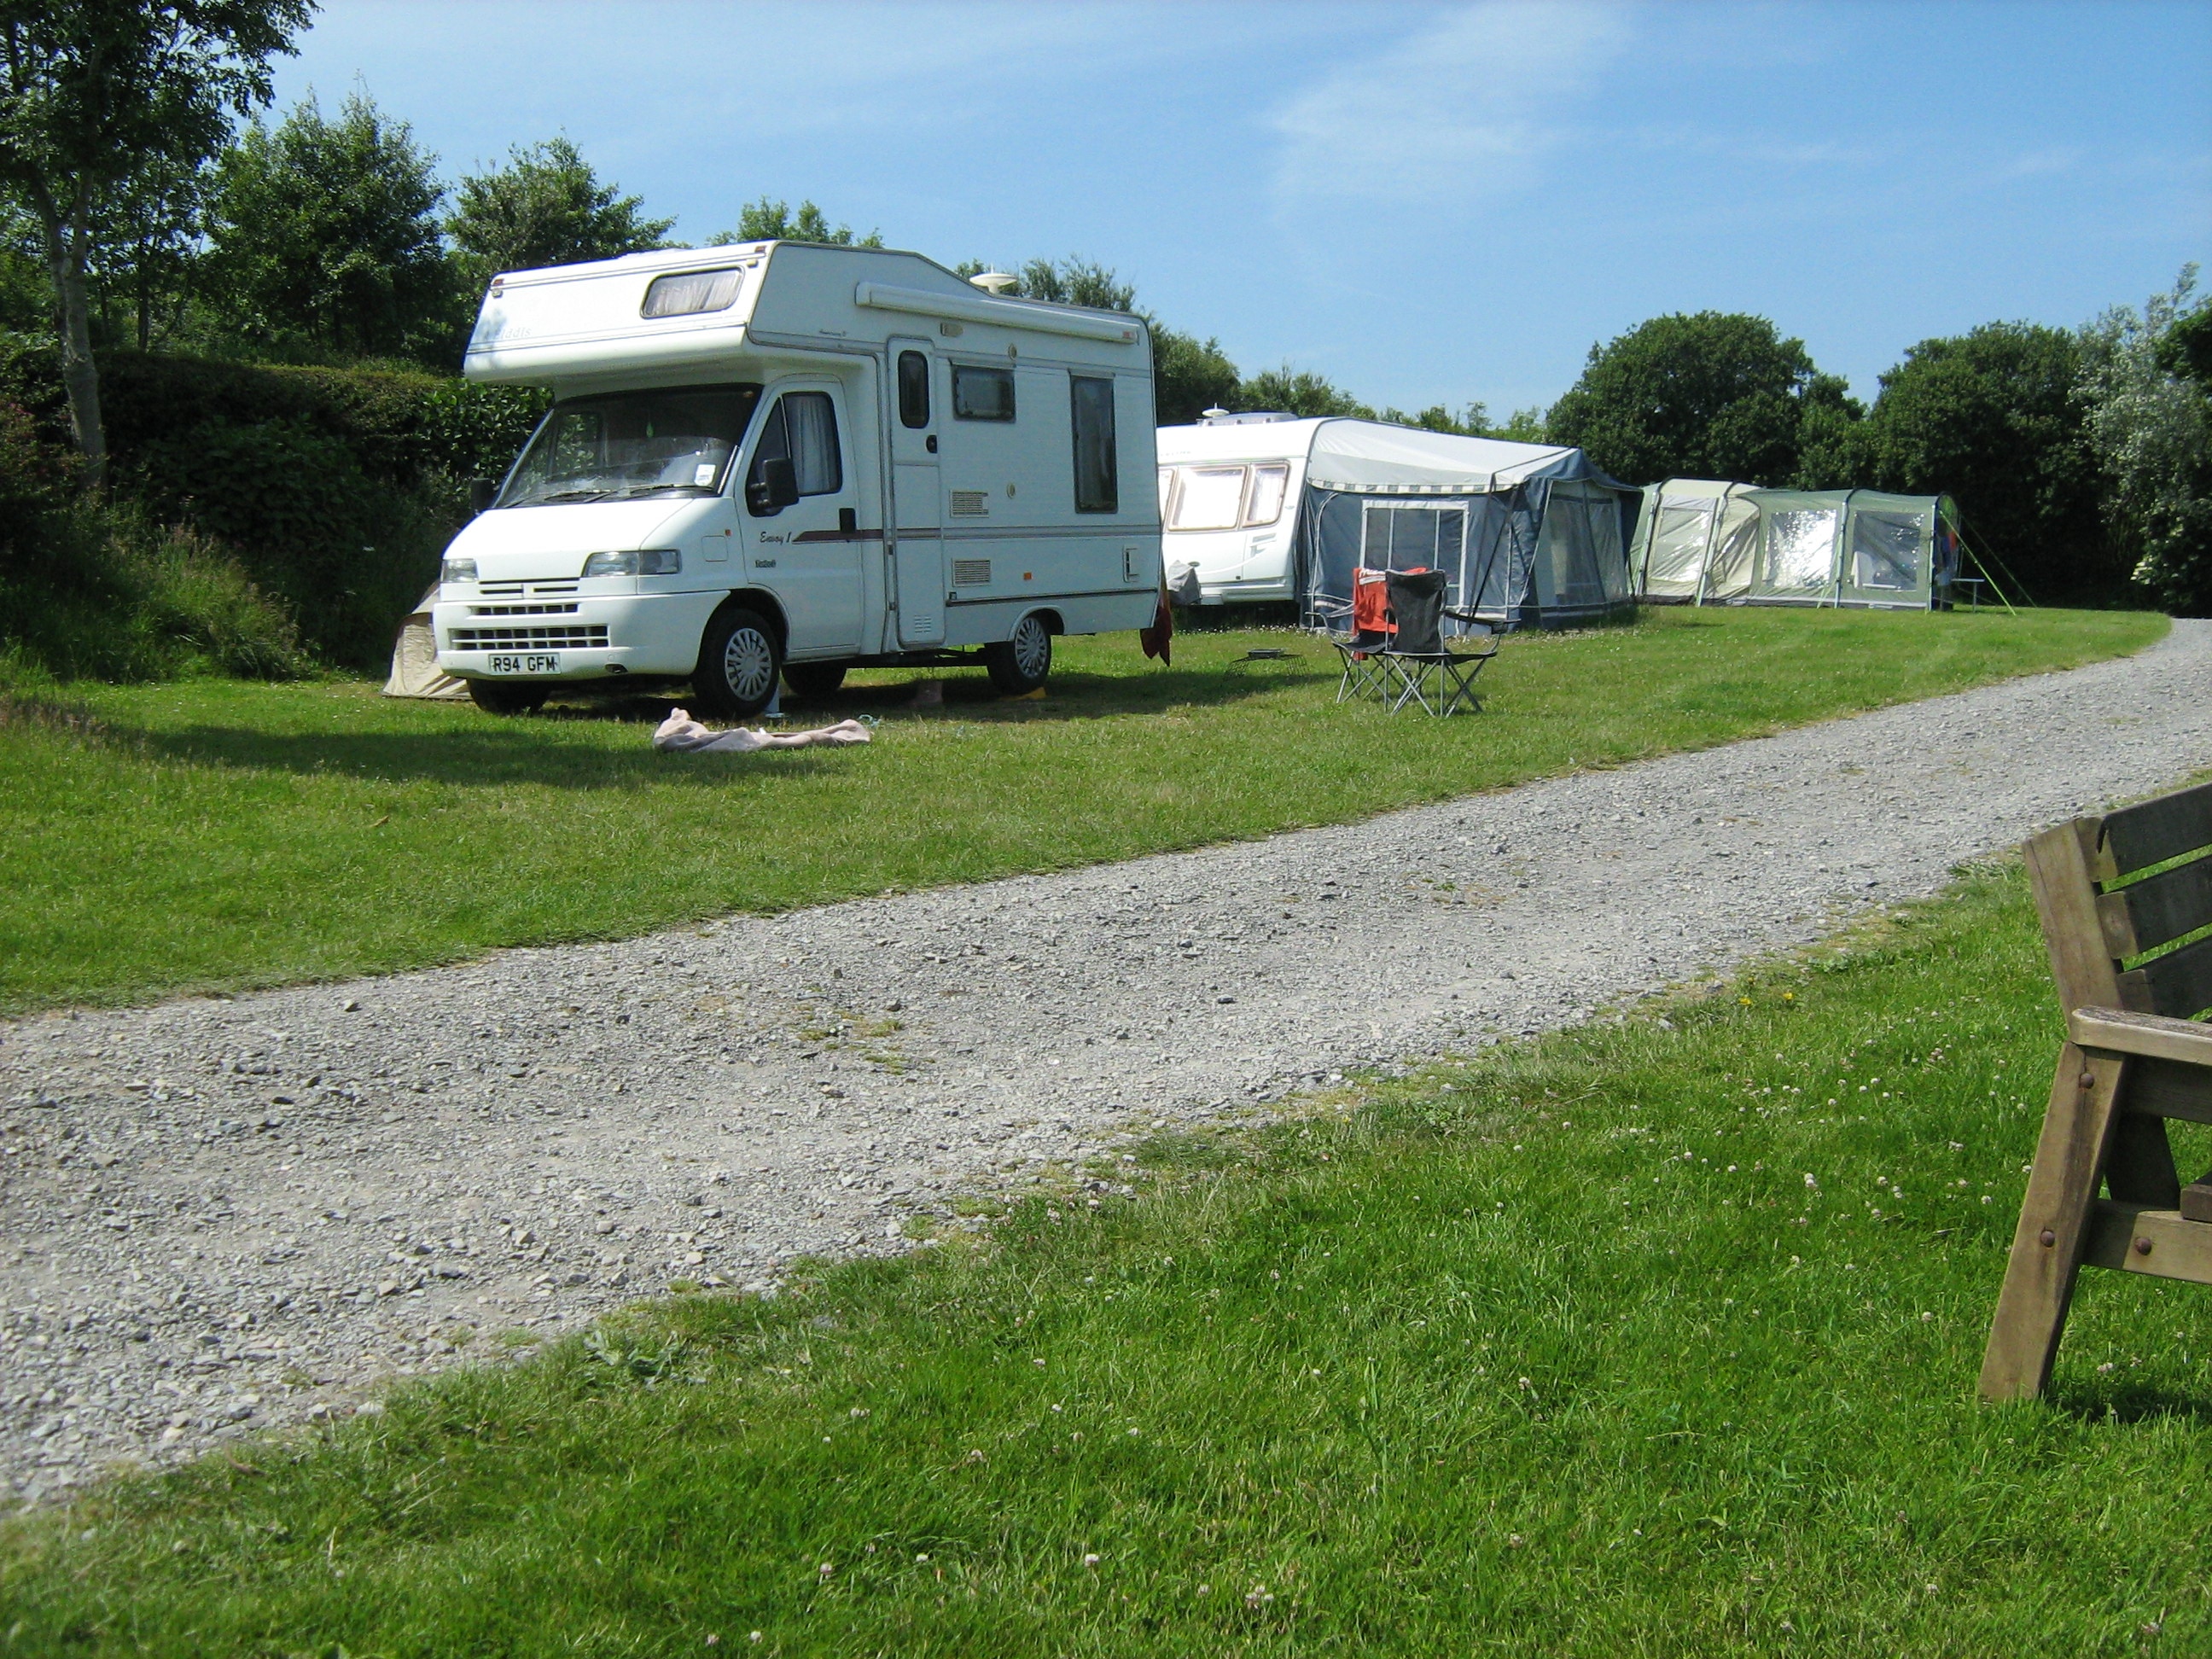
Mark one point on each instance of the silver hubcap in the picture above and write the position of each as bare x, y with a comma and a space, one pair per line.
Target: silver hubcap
749, 664
1032, 648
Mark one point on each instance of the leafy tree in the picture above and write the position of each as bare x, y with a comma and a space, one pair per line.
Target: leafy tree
1990, 417
324, 231
545, 207
1189, 376
146, 234
1297, 391
1712, 395
2146, 390
91, 92
774, 222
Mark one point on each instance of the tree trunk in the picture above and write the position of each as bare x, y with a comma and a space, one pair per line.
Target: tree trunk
66, 246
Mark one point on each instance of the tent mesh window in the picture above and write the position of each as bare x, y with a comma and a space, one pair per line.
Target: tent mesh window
1801, 544
1885, 550
1394, 538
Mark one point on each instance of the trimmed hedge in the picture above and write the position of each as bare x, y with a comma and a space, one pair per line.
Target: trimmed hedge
335, 489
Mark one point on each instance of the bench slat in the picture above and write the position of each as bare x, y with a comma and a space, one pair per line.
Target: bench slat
2158, 911
2178, 987
2180, 1248
2154, 831
2166, 1088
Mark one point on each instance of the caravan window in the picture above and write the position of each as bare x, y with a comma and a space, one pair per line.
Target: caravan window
802, 428
686, 293
982, 394
1222, 497
678, 440
1091, 406
1207, 498
1266, 504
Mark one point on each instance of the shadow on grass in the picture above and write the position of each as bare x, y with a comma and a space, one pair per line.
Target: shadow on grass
2125, 1403
543, 748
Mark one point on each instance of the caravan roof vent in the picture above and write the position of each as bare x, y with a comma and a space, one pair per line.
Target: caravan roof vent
994, 282
1250, 417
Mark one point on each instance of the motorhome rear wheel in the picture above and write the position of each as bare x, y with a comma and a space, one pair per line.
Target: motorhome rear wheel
814, 679
504, 697
1020, 664
739, 660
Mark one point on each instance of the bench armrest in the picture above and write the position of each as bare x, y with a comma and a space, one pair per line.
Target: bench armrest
2115, 1031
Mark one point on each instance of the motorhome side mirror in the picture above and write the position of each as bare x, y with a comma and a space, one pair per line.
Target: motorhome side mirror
482, 492
775, 486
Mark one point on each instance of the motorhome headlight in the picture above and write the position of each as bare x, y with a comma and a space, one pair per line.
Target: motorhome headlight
457, 570
646, 562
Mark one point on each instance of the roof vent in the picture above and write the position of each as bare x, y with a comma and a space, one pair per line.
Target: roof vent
994, 282
1250, 417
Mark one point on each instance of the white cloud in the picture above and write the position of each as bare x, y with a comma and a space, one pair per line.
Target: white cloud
1462, 113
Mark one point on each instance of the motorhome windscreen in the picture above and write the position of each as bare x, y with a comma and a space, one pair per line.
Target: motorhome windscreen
622, 445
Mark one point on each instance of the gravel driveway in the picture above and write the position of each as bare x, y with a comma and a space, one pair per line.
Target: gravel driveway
222, 1215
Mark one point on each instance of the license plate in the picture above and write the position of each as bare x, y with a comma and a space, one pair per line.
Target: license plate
544, 662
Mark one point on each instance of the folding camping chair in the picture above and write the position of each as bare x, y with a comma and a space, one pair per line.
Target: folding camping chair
1417, 664
1367, 630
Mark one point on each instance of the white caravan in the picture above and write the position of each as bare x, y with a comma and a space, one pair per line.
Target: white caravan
785, 458
1229, 490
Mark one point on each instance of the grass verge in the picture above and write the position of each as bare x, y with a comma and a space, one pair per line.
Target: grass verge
217, 835
1653, 1337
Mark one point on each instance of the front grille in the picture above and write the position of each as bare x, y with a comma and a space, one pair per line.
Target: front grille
517, 590
574, 638
971, 573
523, 610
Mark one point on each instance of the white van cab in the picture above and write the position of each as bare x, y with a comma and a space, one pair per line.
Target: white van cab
783, 458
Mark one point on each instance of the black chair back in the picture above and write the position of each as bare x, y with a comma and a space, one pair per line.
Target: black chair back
1417, 604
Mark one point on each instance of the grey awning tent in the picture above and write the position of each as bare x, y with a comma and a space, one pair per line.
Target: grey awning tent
1530, 535
1703, 541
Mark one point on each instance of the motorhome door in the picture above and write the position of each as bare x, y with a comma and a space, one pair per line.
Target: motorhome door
917, 533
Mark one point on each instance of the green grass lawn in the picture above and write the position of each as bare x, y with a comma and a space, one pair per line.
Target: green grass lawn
220, 833
1658, 1337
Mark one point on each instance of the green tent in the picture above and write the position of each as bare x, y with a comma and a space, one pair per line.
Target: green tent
1702, 541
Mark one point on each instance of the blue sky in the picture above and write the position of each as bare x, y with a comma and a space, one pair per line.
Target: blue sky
1427, 203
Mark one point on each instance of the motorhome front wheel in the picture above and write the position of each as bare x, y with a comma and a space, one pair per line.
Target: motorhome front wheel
1021, 663
738, 661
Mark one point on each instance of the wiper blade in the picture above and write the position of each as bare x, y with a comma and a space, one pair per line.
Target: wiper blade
577, 495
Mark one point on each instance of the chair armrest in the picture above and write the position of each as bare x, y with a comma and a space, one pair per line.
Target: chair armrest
2117, 1032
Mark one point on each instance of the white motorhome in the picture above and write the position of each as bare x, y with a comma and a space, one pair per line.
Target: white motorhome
787, 459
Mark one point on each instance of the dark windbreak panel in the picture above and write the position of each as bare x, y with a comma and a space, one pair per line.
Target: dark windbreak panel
620, 445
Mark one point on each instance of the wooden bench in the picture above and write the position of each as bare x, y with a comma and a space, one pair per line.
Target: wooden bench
2133, 1058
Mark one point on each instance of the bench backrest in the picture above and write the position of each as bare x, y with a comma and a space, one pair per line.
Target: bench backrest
2103, 918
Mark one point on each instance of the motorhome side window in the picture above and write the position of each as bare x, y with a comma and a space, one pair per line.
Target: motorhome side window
684, 293
1092, 404
982, 394
913, 389
802, 428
